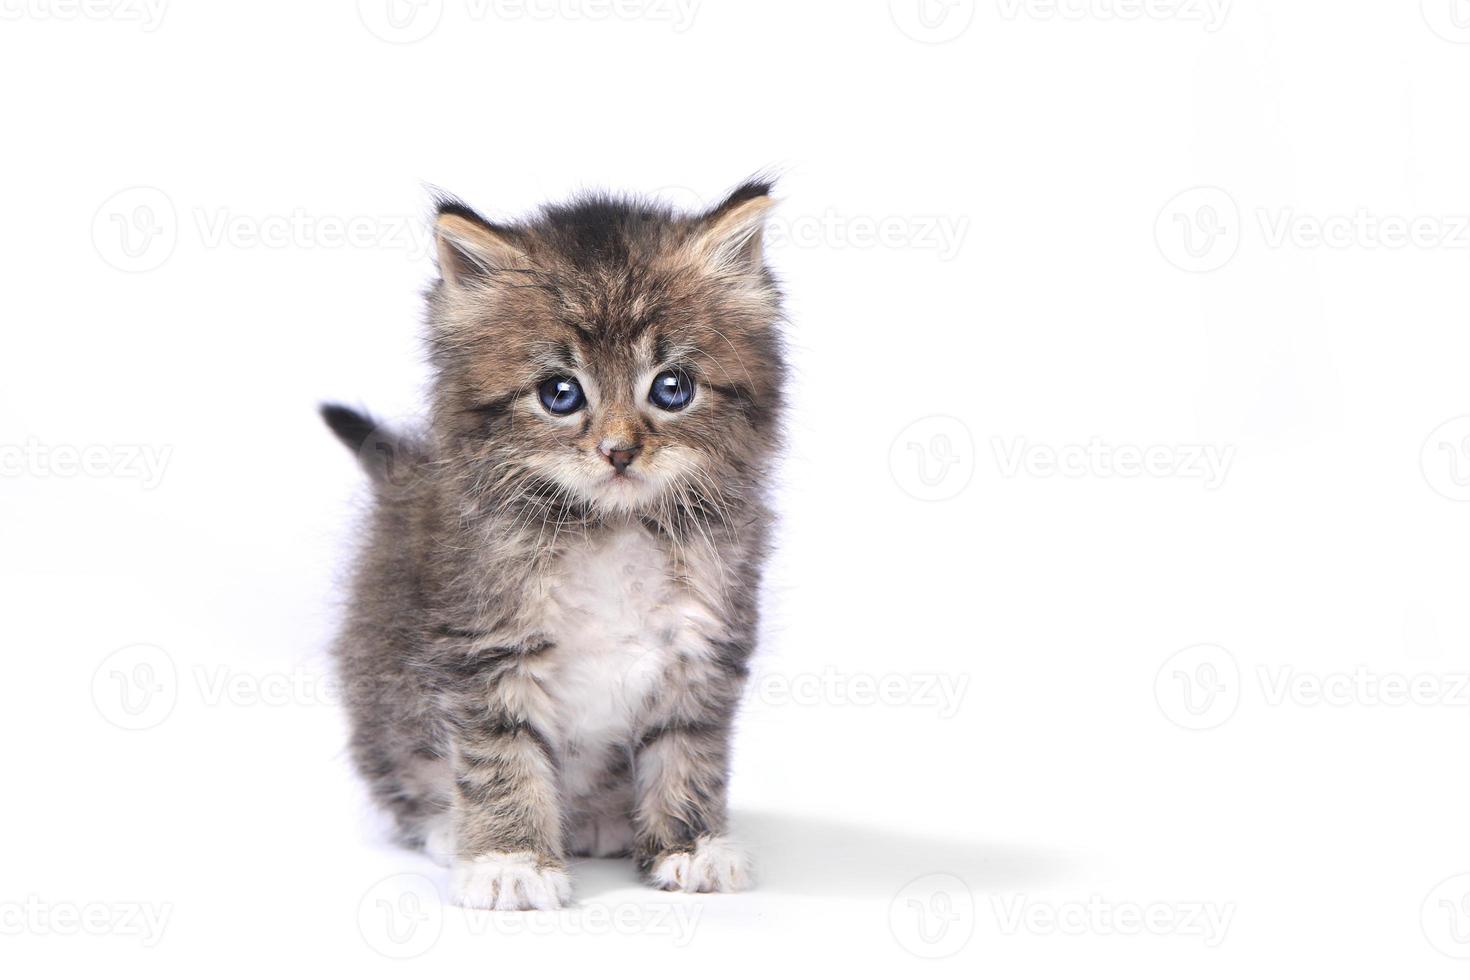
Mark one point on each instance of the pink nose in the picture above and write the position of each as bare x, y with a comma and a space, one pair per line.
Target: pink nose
620, 458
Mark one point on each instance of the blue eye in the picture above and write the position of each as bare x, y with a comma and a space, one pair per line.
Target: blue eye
562, 396
672, 390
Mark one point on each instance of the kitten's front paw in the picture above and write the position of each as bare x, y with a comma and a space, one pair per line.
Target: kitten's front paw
715, 865
509, 882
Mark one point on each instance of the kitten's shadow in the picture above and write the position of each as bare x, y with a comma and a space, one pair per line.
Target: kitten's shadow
813, 856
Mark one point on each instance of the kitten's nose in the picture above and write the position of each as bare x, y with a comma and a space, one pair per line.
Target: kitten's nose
619, 457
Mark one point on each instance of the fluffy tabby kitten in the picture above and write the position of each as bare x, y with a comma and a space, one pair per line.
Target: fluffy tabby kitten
552, 616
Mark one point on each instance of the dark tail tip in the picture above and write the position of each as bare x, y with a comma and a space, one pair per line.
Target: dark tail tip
352, 427
388, 457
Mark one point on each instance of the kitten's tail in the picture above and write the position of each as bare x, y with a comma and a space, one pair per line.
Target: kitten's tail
382, 452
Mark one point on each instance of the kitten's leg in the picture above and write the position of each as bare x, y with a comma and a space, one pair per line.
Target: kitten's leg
507, 811
681, 769
602, 814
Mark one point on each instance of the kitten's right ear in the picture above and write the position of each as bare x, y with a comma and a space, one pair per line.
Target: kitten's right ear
471, 249
729, 238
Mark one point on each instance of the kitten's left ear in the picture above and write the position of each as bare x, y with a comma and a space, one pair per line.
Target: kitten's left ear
729, 238
469, 247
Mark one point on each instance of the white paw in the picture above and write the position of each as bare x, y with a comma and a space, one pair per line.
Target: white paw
603, 836
715, 865
509, 882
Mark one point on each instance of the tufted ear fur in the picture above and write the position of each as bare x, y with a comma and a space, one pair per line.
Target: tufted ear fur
729, 237
471, 248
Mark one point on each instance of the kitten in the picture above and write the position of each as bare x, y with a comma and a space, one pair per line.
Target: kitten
551, 620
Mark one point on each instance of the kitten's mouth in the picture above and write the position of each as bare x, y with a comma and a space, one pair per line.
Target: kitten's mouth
625, 489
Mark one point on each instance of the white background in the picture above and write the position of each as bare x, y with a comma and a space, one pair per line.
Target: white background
1178, 231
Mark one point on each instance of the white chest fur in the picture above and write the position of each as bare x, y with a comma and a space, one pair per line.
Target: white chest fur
619, 620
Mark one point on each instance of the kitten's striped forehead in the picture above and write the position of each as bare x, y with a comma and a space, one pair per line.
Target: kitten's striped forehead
621, 324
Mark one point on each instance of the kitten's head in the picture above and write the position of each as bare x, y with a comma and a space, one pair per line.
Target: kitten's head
610, 354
